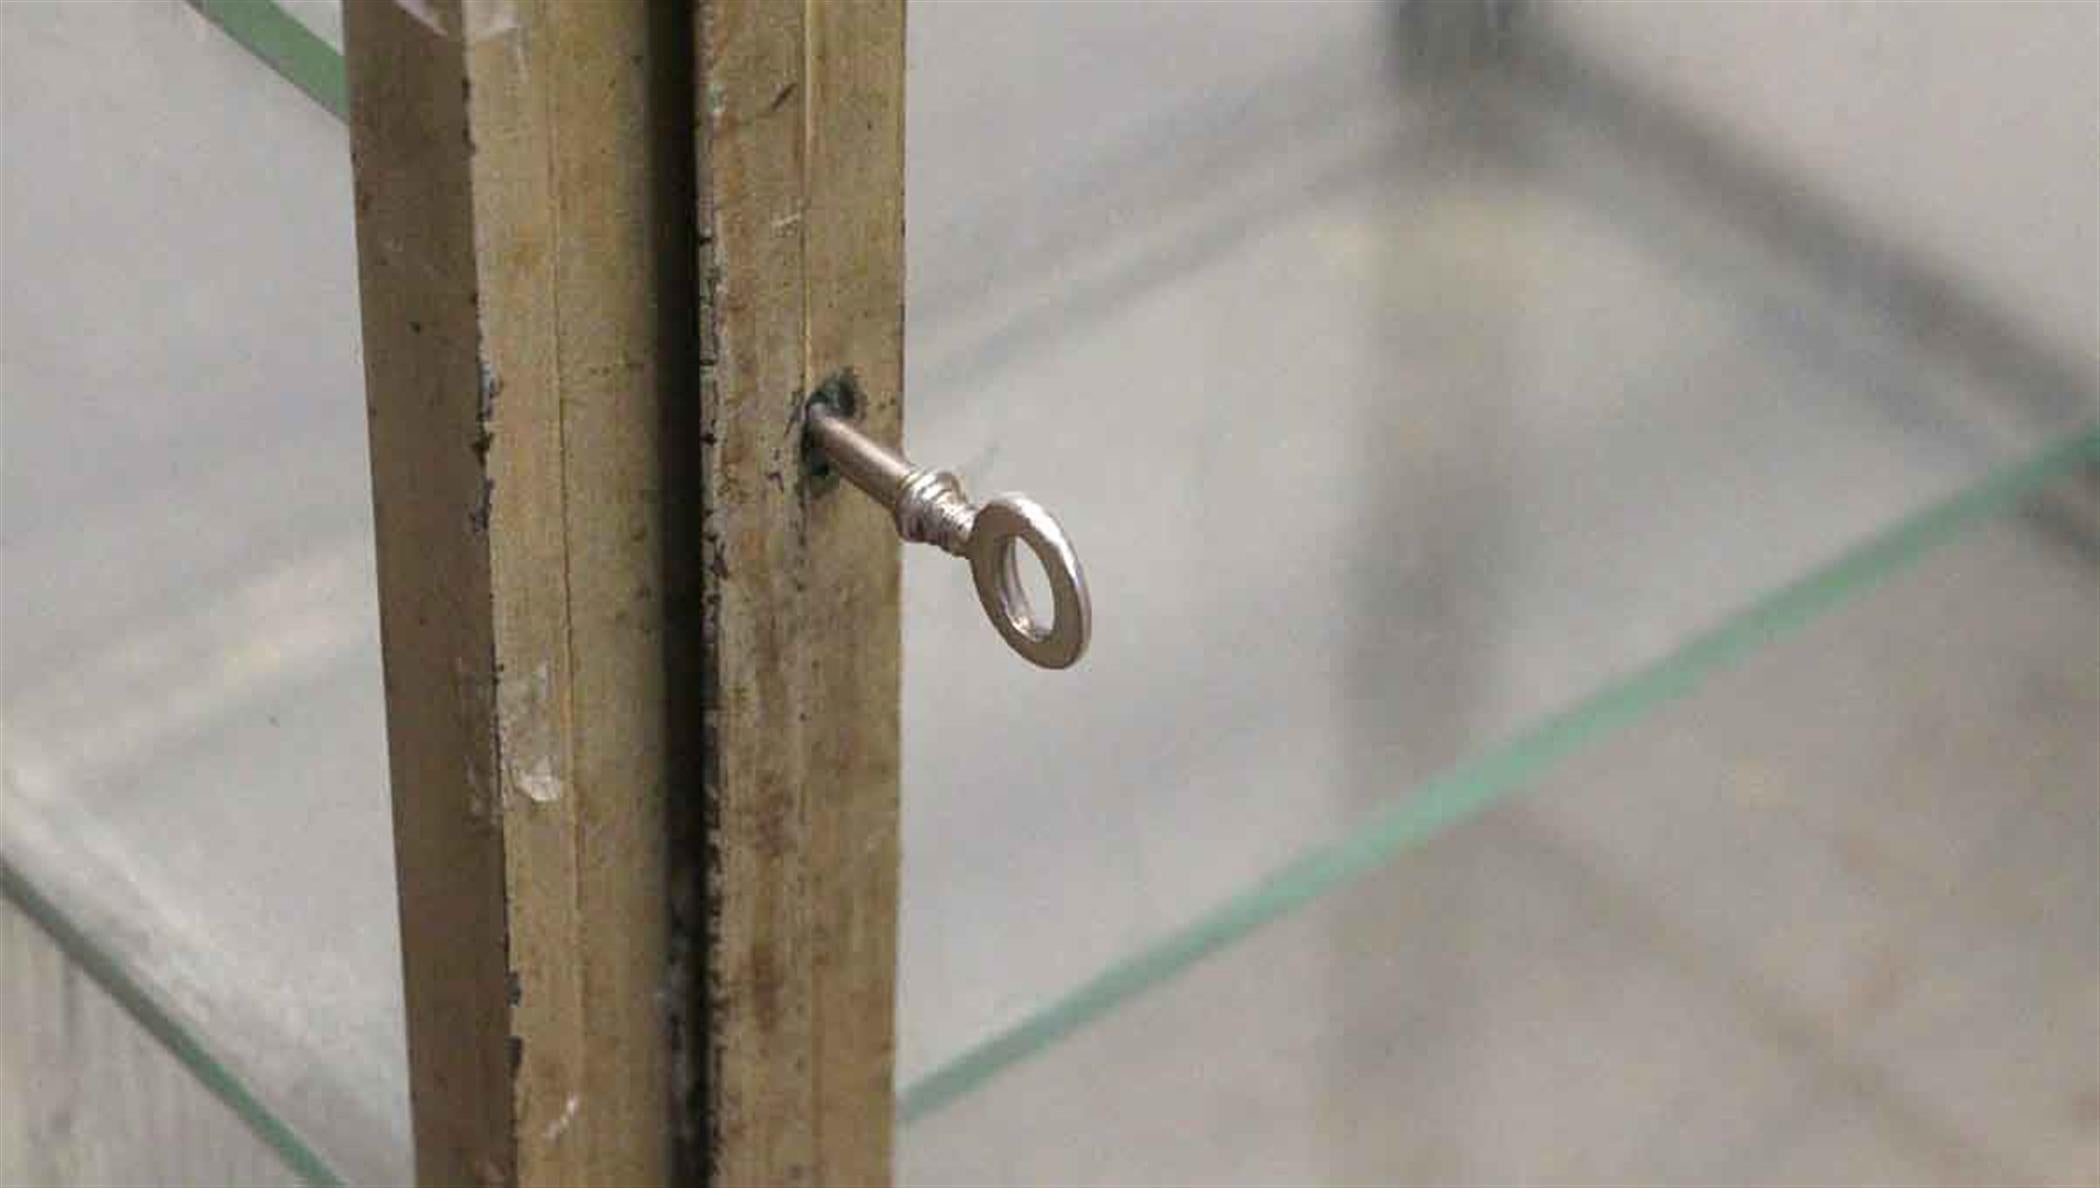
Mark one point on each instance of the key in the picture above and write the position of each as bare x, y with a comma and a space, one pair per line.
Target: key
930, 507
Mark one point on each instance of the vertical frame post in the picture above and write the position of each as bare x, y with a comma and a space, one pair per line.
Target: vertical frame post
527, 303
801, 210
641, 677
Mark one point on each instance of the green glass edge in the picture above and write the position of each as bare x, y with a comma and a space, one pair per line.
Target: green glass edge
316, 68
1459, 792
140, 1004
1479, 782
291, 49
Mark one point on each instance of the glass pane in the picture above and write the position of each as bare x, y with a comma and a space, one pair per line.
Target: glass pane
1434, 391
111, 1105
1834, 917
1422, 385
195, 755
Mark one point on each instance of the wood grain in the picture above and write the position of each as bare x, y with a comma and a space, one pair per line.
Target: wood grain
510, 159
802, 220
530, 299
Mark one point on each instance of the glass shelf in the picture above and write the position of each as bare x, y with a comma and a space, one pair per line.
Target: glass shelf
1792, 928
1417, 428
1435, 431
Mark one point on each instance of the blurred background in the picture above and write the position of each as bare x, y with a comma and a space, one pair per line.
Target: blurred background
1593, 513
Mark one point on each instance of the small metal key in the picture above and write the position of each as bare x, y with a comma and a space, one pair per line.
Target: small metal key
930, 507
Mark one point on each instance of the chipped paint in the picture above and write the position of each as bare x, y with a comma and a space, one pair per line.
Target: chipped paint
525, 710
472, 21
539, 784
425, 14
561, 1123
489, 18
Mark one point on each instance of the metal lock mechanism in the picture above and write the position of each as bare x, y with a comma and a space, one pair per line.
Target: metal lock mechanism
929, 507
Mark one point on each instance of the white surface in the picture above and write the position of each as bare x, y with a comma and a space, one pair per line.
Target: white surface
1966, 134
88, 1097
1833, 919
1367, 472
195, 761
1378, 441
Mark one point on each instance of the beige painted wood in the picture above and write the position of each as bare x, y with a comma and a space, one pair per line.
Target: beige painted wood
802, 215
529, 284
526, 317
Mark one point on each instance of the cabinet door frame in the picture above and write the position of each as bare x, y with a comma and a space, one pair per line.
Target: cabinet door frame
641, 674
